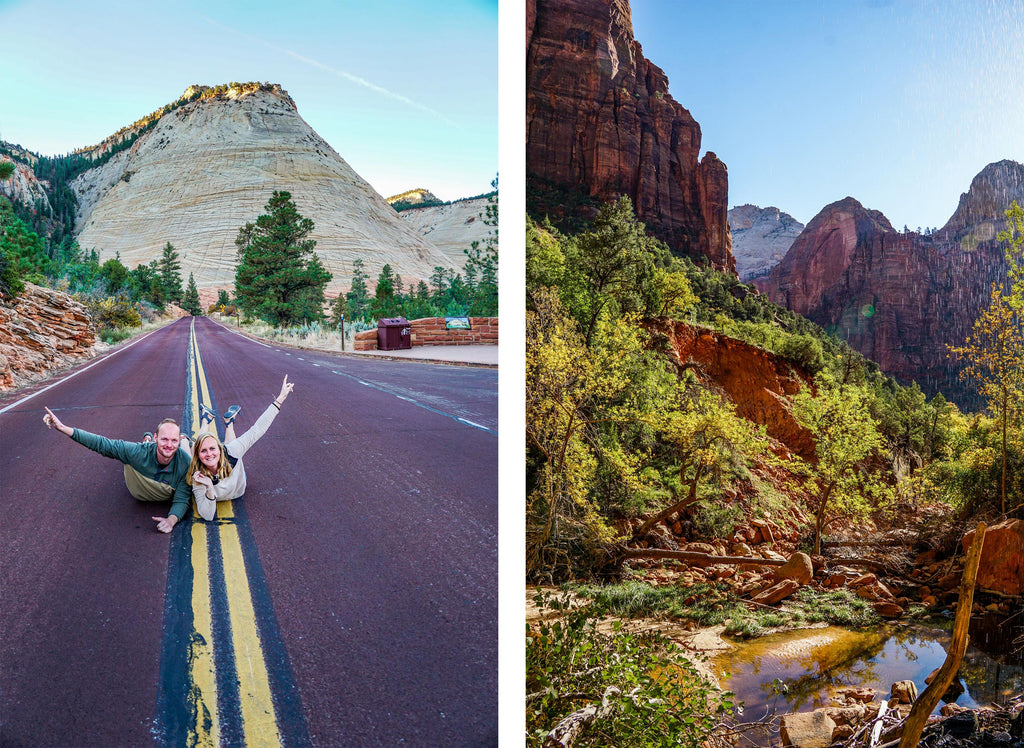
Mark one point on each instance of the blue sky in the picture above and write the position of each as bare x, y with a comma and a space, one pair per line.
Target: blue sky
406, 92
897, 104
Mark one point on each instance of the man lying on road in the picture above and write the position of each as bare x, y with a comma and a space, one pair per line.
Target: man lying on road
153, 470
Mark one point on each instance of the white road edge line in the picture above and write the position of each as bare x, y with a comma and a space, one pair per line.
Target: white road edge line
75, 374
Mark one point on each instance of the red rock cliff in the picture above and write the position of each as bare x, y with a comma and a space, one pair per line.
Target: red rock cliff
758, 382
600, 119
901, 298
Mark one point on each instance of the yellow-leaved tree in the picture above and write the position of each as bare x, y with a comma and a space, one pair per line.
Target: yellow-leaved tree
574, 391
993, 355
845, 435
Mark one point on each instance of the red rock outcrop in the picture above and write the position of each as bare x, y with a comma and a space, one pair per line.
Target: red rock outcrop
600, 119
901, 298
758, 382
1001, 568
40, 331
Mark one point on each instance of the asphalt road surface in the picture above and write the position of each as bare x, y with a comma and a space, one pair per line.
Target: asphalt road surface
348, 599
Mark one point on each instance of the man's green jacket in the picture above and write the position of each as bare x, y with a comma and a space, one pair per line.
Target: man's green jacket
142, 457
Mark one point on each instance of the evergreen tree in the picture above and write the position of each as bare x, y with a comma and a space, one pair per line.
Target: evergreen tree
6, 169
358, 296
339, 310
170, 274
481, 268
190, 299
222, 298
114, 274
385, 301
279, 278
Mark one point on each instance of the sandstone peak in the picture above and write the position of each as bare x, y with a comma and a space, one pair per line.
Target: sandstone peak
760, 238
415, 196
990, 194
901, 298
208, 164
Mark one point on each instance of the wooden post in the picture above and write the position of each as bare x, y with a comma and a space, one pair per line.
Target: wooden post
927, 701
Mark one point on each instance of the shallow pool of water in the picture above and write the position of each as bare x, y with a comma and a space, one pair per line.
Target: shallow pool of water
798, 671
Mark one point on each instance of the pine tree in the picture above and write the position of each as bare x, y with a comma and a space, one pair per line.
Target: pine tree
170, 274
339, 310
279, 278
358, 296
190, 299
384, 299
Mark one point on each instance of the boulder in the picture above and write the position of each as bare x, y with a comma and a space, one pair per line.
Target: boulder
701, 548
807, 729
776, 592
887, 609
798, 568
904, 691
1001, 568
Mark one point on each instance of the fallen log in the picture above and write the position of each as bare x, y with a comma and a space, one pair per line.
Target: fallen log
569, 730
928, 700
873, 565
699, 559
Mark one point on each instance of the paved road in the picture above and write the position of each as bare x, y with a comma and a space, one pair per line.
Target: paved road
350, 598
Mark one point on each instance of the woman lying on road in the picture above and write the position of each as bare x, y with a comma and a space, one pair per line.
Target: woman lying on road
216, 473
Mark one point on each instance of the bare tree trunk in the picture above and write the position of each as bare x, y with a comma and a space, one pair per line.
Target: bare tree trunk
698, 559
927, 701
691, 498
569, 730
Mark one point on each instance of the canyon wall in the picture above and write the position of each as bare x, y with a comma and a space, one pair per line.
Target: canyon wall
901, 298
600, 120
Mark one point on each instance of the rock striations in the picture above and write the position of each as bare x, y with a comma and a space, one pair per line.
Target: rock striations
902, 298
210, 165
23, 186
600, 120
452, 227
40, 331
760, 238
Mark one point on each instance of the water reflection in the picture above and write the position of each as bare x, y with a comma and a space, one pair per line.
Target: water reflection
798, 671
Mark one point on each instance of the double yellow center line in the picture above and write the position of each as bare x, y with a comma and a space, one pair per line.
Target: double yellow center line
219, 574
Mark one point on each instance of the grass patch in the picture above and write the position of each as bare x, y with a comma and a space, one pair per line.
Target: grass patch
111, 335
712, 604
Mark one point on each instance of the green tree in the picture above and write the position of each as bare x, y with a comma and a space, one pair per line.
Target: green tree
642, 689
279, 278
384, 298
222, 298
339, 310
169, 269
994, 354
481, 266
610, 266
358, 295
114, 274
190, 299
845, 435
6, 169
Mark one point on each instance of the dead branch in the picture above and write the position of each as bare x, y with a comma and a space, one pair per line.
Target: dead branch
699, 559
879, 722
568, 731
927, 701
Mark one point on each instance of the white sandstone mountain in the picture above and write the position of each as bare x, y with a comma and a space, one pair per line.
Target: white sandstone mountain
210, 166
452, 228
760, 238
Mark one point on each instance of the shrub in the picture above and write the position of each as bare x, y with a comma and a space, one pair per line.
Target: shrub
656, 697
111, 335
113, 311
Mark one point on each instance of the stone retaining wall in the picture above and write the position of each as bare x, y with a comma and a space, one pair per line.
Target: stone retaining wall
431, 331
